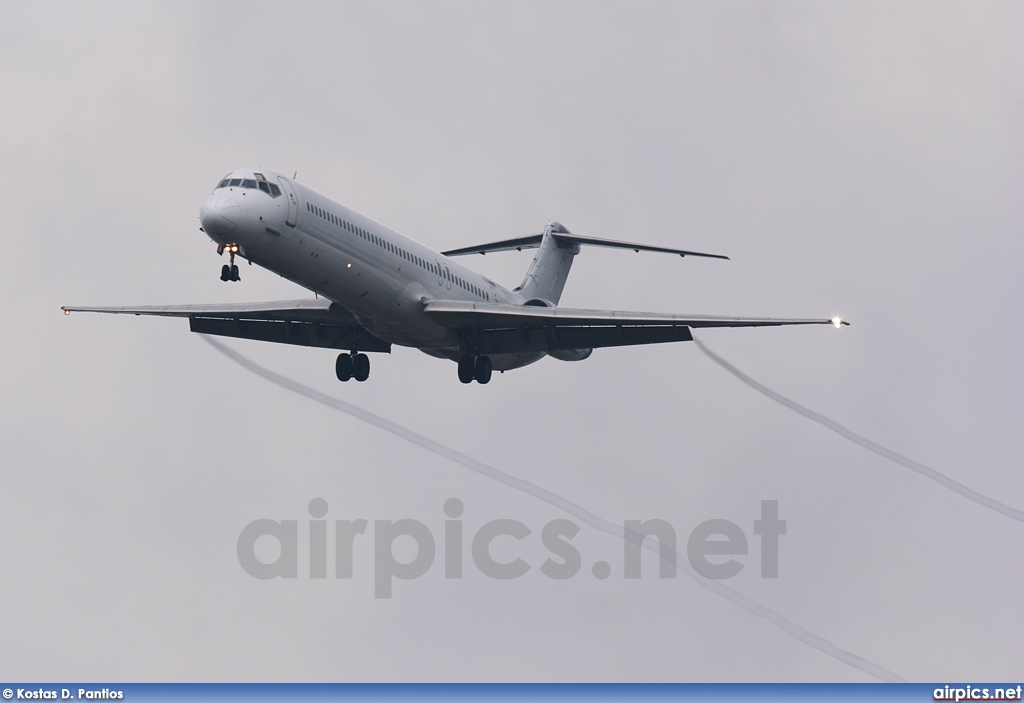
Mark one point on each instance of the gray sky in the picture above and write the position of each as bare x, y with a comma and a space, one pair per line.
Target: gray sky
855, 159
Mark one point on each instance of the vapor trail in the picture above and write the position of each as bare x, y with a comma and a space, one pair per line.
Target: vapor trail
942, 479
598, 523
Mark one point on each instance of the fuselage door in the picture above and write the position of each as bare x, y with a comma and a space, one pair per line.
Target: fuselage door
293, 204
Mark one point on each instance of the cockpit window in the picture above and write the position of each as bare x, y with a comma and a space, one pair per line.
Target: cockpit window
259, 182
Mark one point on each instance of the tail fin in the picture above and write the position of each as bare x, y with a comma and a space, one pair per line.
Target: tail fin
550, 268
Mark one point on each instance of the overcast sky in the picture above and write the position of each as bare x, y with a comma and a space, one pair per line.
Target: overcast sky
860, 159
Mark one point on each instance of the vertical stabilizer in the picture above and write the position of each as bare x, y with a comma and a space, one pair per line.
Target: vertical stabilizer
550, 267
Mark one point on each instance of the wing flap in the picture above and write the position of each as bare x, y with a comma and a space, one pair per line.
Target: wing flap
553, 339
307, 334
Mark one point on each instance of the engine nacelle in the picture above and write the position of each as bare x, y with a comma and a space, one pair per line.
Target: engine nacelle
571, 354
560, 354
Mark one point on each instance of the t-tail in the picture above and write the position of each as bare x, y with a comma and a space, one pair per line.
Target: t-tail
556, 247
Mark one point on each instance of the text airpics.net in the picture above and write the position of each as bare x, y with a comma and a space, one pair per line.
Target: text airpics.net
711, 548
977, 693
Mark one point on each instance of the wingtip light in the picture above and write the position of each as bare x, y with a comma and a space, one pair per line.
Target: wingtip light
837, 322
66, 311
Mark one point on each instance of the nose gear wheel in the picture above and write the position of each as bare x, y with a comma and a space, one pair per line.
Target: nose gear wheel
229, 272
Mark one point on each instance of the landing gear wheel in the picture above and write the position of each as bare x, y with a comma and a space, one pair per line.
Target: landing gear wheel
483, 369
360, 367
467, 369
234, 273
343, 367
225, 273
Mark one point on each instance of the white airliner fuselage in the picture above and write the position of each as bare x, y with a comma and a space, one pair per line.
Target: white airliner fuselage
379, 275
375, 287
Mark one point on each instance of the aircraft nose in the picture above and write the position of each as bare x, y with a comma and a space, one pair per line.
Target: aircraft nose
220, 215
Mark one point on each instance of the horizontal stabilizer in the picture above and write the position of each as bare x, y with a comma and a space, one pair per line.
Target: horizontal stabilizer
533, 241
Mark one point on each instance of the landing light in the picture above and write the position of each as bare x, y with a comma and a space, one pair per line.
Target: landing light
67, 312
348, 266
837, 322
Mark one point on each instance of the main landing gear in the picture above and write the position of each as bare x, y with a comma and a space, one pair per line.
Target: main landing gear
229, 272
474, 368
352, 365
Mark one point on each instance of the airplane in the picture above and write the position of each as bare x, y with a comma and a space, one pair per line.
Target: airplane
374, 288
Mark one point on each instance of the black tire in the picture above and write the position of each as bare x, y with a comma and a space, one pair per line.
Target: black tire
343, 367
225, 273
483, 369
467, 369
234, 273
360, 367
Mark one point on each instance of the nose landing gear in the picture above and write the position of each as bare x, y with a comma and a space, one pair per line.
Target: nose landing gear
229, 272
474, 368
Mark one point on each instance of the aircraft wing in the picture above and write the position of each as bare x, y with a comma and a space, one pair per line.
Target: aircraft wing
311, 323
520, 328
